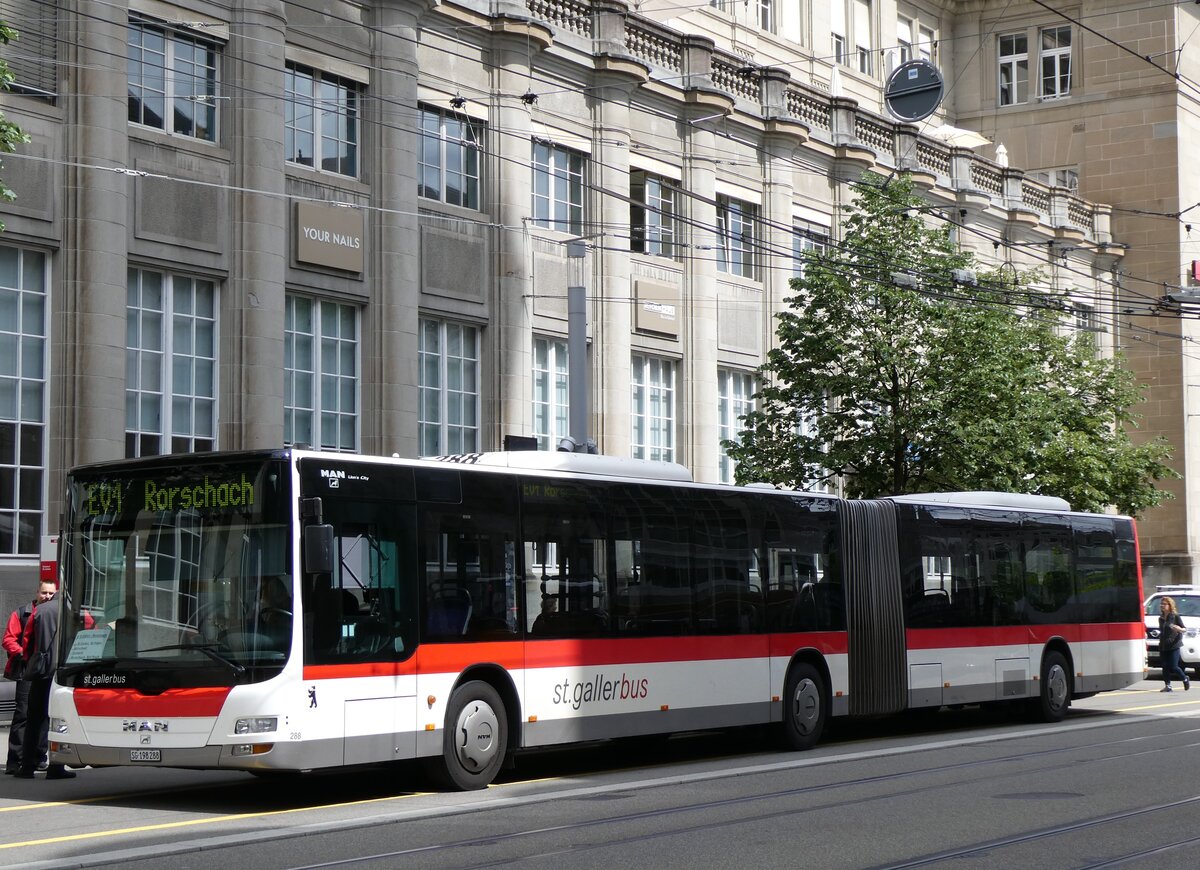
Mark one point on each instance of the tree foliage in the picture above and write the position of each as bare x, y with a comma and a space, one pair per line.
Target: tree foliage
941, 385
11, 135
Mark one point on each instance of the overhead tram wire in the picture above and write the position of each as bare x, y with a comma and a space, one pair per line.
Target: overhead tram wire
750, 145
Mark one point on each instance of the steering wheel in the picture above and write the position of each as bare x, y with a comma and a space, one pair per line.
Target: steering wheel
277, 611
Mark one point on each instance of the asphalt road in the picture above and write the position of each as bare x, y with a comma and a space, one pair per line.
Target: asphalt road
1117, 784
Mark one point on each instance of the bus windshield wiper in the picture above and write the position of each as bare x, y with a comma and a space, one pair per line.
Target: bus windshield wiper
207, 649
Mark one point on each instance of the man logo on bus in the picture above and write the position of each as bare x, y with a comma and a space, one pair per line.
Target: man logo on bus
312, 697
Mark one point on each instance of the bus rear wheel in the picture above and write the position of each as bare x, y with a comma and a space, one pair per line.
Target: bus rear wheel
1055, 693
804, 710
475, 739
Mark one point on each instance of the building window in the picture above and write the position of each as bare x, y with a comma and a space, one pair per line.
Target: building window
22, 400
172, 74
320, 375
652, 214
766, 15
927, 47
448, 418
1014, 69
33, 59
839, 49
1062, 177
806, 239
1087, 325
557, 188
904, 39
653, 391
450, 158
735, 400
736, 241
170, 364
837, 14
551, 398
321, 123
862, 36
1056, 62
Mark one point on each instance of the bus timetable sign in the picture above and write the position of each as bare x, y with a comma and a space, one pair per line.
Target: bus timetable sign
914, 90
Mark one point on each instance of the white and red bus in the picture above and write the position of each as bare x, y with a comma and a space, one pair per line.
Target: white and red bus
293, 610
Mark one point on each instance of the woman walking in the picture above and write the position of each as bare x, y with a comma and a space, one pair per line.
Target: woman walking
1170, 639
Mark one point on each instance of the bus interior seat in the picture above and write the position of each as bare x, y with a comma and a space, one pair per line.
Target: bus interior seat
449, 612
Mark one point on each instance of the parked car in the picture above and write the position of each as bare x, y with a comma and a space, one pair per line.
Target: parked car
1187, 602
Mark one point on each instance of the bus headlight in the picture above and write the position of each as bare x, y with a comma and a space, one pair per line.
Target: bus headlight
58, 726
256, 725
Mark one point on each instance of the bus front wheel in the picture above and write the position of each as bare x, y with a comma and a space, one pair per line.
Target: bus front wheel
475, 739
804, 711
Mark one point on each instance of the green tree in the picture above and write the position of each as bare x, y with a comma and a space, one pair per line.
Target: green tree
10, 134
897, 378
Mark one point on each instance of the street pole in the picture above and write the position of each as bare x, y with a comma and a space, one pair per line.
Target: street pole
577, 366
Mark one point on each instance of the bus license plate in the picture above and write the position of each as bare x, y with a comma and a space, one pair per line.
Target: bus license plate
145, 755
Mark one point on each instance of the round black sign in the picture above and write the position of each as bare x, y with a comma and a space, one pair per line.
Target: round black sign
914, 90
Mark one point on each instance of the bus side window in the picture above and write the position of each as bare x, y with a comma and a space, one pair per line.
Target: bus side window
566, 563
802, 574
649, 523
364, 609
726, 600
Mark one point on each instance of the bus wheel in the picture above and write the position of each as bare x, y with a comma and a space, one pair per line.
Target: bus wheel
803, 707
475, 740
1055, 695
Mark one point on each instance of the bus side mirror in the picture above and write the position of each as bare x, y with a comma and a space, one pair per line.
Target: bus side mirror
318, 549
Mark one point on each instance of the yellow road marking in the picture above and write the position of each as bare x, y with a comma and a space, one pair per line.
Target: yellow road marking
1158, 706
192, 822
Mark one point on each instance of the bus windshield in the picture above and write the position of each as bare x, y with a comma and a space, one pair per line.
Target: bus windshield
176, 576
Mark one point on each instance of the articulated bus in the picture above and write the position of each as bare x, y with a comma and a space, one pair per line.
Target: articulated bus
294, 610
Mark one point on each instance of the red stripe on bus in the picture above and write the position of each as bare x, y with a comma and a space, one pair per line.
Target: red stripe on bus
363, 669
944, 638
591, 652
586, 652
206, 701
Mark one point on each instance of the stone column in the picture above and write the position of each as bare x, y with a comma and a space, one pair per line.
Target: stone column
696, 378
612, 283
779, 164
782, 136
87, 408
510, 161
390, 326
250, 358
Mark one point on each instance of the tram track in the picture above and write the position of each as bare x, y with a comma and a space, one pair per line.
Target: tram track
991, 846
1090, 753
630, 818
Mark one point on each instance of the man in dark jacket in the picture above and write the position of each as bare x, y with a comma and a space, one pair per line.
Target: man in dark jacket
14, 637
41, 656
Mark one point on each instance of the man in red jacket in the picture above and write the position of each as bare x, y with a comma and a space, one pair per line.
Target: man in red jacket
13, 637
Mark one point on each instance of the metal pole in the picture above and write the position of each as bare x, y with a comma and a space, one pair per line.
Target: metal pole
577, 366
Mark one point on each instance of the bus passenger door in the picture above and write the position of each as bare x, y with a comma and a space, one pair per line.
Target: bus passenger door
360, 630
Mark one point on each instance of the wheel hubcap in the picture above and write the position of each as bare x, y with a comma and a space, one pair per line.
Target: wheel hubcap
806, 706
1056, 686
477, 728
